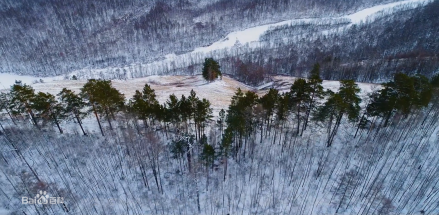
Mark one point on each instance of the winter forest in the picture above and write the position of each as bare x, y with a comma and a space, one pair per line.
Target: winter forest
274, 107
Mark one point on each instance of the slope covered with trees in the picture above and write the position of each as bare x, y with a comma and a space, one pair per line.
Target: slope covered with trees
282, 152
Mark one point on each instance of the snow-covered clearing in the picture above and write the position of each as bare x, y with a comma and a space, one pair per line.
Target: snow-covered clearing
219, 92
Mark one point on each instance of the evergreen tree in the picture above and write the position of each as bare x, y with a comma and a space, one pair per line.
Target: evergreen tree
269, 101
47, 108
403, 94
203, 113
104, 99
73, 104
299, 96
316, 92
172, 106
21, 101
211, 69
345, 102
145, 104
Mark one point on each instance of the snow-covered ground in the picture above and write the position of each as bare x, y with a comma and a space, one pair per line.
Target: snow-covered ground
219, 92
249, 36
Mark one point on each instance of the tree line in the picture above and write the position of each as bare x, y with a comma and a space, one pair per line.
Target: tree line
247, 115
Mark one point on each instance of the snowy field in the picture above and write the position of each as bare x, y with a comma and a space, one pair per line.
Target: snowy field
219, 92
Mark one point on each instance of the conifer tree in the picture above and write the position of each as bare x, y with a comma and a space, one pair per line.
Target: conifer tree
47, 108
104, 99
345, 102
73, 104
21, 101
403, 94
316, 92
299, 95
145, 104
269, 101
211, 69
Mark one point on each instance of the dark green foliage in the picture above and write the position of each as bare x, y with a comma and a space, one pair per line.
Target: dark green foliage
73, 103
207, 155
403, 94
103, 98
21, 98
211, 69
316, 92
435, 81
108, 100
345, 102
47, 108
299, 98
144, 104
269, 102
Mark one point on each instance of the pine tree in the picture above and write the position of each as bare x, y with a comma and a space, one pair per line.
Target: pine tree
21, 101
403, 94
316, 92
345, 102
269, 101
145, 104
104, 99
73, 104
299, 95
211, 69
203, 113
47, 108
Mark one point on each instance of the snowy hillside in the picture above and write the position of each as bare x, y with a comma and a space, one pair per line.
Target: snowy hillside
219, 107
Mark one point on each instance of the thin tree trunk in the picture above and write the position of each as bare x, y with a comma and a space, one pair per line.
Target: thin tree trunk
108, 119
57, 123
97, 118
80, 123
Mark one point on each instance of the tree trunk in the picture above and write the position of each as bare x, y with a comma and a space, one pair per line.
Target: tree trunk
298, 119
97, 118
80, 123
225, 167
389, 114
108, 118
57, 123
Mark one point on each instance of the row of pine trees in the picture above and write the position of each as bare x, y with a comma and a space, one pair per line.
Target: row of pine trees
247, 116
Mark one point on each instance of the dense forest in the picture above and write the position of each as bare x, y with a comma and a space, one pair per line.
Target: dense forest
308, 150
296, 146
46, 38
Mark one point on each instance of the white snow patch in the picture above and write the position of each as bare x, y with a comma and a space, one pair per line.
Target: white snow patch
8, 79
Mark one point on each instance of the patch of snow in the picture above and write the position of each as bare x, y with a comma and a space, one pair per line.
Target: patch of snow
8, 79
4, 211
